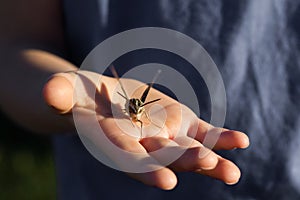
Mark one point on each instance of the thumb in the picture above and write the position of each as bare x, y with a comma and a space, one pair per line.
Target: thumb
58, 92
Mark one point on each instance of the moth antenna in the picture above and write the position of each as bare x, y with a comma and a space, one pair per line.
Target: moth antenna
122, 96
156, 76
115, 74
145, 93
151, 101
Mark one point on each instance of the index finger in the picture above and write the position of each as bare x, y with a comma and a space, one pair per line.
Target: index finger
219, 138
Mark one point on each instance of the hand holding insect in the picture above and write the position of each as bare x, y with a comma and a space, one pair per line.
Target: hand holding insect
169, 137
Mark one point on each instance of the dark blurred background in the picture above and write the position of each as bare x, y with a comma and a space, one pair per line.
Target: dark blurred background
26, 164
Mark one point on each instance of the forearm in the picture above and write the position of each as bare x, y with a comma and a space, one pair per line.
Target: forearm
22, 78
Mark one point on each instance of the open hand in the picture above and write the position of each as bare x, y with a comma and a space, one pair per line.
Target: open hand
172, 136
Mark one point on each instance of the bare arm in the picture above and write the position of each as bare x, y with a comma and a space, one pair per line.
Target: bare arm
29, 31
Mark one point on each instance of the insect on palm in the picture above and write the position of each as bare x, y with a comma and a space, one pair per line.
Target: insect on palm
135, 107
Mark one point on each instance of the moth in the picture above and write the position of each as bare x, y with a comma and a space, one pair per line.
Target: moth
135, 107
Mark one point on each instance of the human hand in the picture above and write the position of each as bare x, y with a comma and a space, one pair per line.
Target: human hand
172, 128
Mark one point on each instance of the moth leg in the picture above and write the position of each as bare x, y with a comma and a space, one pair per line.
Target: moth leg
148, 117
131, 122
141, 128
127, 114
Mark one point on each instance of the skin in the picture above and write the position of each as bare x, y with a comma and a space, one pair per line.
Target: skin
32, 74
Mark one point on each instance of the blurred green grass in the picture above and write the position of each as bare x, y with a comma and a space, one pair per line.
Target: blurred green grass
26, 164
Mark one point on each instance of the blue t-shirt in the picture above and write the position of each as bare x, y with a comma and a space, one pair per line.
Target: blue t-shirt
254, 43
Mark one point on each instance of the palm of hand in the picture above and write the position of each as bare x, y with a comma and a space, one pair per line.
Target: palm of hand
173, 145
